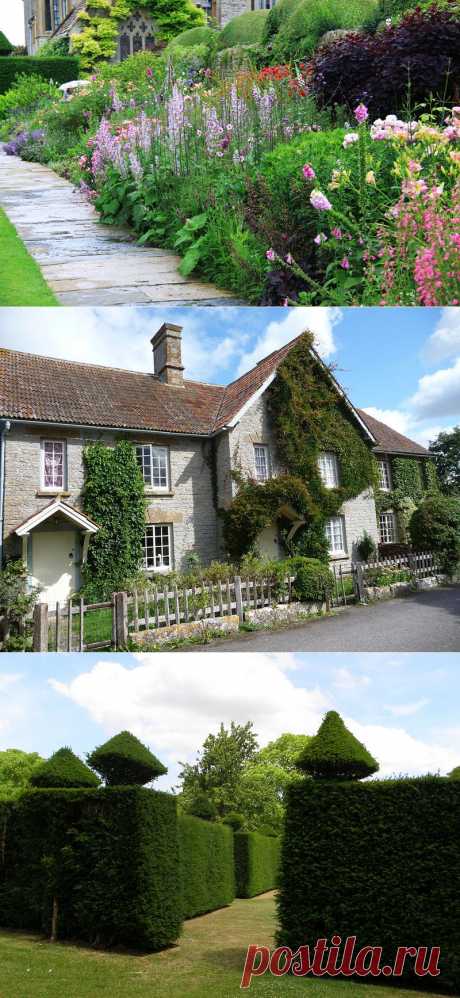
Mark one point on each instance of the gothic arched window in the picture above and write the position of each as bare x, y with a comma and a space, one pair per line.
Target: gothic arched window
136, 34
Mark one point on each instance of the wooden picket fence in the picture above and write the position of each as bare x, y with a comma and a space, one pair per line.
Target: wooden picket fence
418, 565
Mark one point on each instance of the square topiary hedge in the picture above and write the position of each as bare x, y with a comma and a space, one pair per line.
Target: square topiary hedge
207, 865
106, 860
61, 70
257, 859
379, 860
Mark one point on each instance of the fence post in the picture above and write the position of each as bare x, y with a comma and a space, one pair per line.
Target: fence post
40, 638
412, 564
239, 598
360, 581
121, 619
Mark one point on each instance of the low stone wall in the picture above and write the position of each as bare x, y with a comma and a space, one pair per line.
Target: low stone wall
283, 612
192, 629
403, 588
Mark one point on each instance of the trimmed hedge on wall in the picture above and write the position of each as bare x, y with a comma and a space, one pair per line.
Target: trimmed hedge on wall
257, 860
378, 860
61, 70
108, 858
208, 874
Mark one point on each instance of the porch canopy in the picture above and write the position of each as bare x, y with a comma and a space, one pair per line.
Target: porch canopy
57, 506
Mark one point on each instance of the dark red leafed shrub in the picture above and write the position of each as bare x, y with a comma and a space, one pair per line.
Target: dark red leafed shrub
423, 51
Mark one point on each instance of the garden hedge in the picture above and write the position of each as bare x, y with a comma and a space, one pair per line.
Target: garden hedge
207, 864
257, 860
379, 860
61, 70
110, 859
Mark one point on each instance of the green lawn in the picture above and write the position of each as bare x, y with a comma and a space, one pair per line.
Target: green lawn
21, 281
207, 962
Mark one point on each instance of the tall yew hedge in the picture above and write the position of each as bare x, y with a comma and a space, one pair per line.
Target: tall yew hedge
256, 863
61, 70
379, 860
207, 865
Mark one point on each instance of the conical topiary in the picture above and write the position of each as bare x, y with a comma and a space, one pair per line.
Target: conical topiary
63, 769
6, 47
125, 761
203, 807
454, 773
335, 753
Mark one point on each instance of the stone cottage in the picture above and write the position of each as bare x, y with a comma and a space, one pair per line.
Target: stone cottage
190, 438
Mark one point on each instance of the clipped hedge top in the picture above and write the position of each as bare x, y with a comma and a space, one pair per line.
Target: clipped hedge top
203, 807
63, 769
124, 761
5, 45
246, 29
335, 753
193, 36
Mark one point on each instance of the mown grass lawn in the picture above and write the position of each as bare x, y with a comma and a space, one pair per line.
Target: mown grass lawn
207, 962
21, 281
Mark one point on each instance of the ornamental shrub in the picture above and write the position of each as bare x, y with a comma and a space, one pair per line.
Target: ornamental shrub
313, 581
246, 29
123, 761
377, 860
114, 498
203, 807
435, 526
63, 769
421, 53
234, 820
334, 753
27, 94
60, 70
256, 863
207, 865
193, 36
311, 19
366, 547
107, 858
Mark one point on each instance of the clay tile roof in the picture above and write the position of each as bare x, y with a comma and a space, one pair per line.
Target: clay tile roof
240, 391
60, 391
390, 441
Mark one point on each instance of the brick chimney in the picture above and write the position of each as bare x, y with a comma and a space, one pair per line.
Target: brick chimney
167, 354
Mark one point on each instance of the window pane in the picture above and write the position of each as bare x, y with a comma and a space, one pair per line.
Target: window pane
261, 462
335, 534
157, 546
329, 469
159, 467
53, 464
384, 469
387, 528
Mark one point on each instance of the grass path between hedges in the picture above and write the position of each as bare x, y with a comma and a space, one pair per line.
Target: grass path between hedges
21, 280
207, 962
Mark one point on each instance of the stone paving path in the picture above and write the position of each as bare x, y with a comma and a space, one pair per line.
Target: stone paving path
84, 261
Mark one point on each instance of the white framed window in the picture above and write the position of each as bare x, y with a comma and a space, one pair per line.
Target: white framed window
53, 465
261, 462
335, 533
387, 527
329, 469
154, 464
157, 545
385, 474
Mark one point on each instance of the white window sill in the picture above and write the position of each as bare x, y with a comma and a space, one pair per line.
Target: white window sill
159, 571
338, 555
52, 492
150, 491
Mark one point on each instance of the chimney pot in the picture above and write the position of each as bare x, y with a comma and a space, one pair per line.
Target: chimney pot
167, 354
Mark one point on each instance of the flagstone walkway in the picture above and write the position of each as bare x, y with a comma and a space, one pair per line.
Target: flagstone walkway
84, 261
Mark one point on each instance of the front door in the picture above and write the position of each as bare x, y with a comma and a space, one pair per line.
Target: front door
268, 543
54, 564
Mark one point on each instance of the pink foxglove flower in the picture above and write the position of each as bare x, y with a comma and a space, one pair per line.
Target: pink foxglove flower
320, 238
308, 172
336, 232
289, 258
361, 113
345, 263
270, 254
349, 139
319, 201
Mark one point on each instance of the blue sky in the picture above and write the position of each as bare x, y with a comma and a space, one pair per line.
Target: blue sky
403, 365
404, 707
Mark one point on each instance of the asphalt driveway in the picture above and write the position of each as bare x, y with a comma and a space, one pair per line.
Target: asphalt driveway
425, 621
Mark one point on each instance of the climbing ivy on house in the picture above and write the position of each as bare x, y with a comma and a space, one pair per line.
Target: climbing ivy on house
114, 499
310, 416
101, 23
411, 478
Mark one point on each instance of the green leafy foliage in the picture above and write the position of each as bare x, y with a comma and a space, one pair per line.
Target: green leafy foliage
256, 863
454, 773
435, 526
207, 865
194, 36
60, 70
16, 768
376, 860
17, 599
109, 858
313, 581
114, 499
5, 46
63, 769
234, 820
219, 765
366, 547
257, 504
123, 761
202, 807
28, 93
335, 754
309, 20
245, 29
446, 452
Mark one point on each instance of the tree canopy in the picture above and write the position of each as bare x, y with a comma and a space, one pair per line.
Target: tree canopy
16, 768
446, 452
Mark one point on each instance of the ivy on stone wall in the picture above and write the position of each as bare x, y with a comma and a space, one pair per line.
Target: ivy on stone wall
114, 499
411, 478
101, 23
310, 416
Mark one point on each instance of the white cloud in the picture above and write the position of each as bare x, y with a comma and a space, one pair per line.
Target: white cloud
438, 394
344, 679
8, 678
174, 701
407, 709
445, 341
396, 418
320, 321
